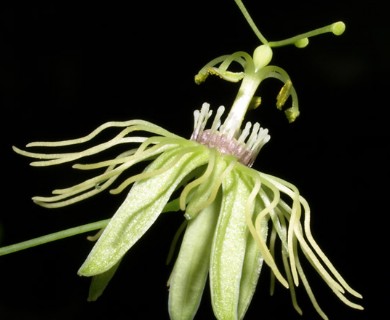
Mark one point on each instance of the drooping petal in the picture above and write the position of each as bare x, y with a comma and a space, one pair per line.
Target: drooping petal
189, 275
229, 248
141, 208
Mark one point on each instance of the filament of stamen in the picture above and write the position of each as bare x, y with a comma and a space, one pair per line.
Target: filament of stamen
321, 254
204, 177
309, 291
261, 242
178, 153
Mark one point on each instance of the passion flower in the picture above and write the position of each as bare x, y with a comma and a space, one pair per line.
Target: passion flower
233, 214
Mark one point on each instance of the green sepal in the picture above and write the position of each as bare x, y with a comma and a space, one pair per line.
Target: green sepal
228, 249
100, 282
251, 269
142, 206
253, 262
189, 275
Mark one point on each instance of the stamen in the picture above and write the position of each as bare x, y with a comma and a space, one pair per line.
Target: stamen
245, 133
200, 120
193, 184
217, 119
256, 141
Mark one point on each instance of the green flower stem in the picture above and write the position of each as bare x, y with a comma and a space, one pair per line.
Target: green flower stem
301, 40
250, 21
53, 237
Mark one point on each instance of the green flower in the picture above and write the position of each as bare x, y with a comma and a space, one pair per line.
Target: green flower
234, 215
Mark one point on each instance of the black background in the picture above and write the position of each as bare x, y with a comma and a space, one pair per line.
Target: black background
67, 67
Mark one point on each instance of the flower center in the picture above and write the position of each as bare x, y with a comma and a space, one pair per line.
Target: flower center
245, 147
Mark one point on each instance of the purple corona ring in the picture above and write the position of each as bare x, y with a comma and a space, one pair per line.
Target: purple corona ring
245, 148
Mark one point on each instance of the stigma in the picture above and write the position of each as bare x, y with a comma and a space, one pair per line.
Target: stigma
245, 146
